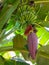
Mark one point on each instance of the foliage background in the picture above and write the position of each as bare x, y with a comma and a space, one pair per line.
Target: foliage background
15, 15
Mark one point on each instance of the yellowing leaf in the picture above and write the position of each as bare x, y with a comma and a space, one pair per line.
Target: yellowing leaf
19, 42
43, 56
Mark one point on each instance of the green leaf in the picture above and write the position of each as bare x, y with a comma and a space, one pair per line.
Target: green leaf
42, 9
8, 48
44, 38
7, 14
43, 35
25, 55
12, 62
2, 60
9, 62
45, 24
